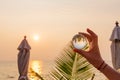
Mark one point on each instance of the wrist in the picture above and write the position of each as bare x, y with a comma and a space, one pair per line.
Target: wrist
97, 63
102, 66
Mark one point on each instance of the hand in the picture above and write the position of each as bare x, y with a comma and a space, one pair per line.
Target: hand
93, 55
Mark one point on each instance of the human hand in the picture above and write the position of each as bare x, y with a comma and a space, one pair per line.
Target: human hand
93, 54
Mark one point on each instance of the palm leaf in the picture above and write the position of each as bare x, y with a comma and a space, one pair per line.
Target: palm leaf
71, 66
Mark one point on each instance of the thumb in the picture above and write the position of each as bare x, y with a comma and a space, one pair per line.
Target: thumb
82, 52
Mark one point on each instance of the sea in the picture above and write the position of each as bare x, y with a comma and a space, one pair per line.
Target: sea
9, 71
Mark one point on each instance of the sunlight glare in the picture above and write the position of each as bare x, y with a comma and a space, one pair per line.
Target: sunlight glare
36, 66
36, 37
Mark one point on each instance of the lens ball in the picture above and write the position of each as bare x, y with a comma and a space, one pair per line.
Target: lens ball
79, 41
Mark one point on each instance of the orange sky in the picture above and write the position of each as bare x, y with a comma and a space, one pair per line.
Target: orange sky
56, 21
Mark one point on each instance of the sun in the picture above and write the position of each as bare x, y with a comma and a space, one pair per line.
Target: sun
36, 37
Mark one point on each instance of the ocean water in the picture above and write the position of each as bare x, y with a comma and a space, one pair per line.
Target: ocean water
9, 71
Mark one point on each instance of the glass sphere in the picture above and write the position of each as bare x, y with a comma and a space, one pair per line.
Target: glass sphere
79, 41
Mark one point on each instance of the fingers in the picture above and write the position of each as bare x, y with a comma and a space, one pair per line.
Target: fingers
91, 32
94, 43
92, 38
87, 36
93, 35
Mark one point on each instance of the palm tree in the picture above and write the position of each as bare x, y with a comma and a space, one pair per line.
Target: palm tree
71, 66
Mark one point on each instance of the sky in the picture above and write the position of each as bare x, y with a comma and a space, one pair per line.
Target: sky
56, 22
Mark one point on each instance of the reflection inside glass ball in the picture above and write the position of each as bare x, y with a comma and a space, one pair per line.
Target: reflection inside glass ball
79, 41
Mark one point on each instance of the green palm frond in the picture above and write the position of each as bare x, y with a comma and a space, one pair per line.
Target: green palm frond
71, 66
